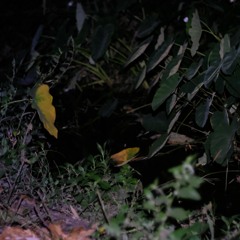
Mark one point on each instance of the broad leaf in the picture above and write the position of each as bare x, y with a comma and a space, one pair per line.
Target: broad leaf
202, 112
191, 232
159, 55
174, 63
220, 84
224, 46
108, 107
160, 39
139, 50
36, 38
158, 123
221, 139
147, 26
195, 32
189, 193
192, 70
101, 39
219, 119
42, 102
166, 88
212, 73
141, 77
230, 61
158, 145
233, 83
214, 55
171, 102
221, 143
125, 156
190, 86
172, 66
80, 16
178, 213
176, 66
173, 118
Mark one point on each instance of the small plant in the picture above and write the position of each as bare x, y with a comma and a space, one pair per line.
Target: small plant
160, 215
94, 187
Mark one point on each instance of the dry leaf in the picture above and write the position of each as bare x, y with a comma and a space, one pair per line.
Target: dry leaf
13, 233
179, 139
42, 102
81, 234
56, 231
77, 233
125, 156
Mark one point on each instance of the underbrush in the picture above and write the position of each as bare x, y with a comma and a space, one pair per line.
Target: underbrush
135, 79
95, 192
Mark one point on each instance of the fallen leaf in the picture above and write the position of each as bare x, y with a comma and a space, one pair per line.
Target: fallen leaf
125, 156
42, 102
56, 231
77, 233
13, 233
179, 139
81, 234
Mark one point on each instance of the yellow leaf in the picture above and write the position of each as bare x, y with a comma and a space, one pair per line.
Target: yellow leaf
125, 156
42, 102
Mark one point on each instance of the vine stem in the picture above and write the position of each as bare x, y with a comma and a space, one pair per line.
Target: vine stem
209, 30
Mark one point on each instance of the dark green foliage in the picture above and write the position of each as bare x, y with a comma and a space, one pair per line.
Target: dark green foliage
128, 73
203, 84
101, 39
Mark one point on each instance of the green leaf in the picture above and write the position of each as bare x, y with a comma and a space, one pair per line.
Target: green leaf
192, 232
195, 32
178, 59
172, 66
195, 181
189, 193
160, 39
202, 112
42, 102
233, 84
35, 39
212, 73
192, 70
230, 61
191, 86
104, 185
166, 88
214, 55
139, 50
147, 26
224, 46
179, 213
219, 119
158, 145
141, 77
221, 139
220, 84
80, 16
173, 118
158, 123
221, 143
159, 55
101, 39
108, 107
171, 103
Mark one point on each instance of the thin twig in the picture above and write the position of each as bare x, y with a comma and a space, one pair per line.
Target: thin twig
102, 206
